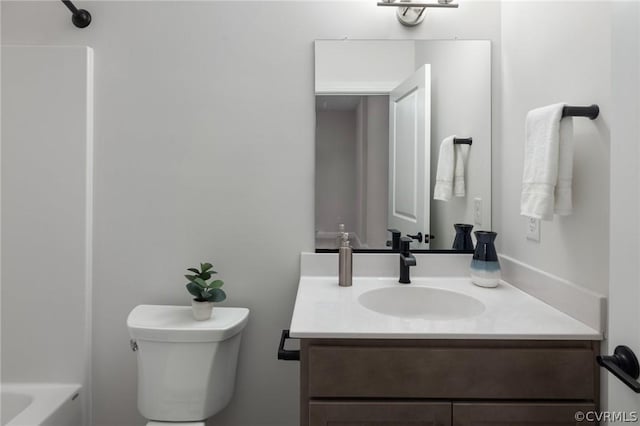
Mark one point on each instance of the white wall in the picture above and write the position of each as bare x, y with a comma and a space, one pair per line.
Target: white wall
554, 52
205, 151
624, 292
336, 171
47, 171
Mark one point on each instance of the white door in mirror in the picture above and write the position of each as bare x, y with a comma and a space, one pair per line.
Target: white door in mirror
409, 156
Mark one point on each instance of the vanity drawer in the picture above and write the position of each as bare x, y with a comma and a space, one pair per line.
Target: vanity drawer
541, 371
531, 414
379, 413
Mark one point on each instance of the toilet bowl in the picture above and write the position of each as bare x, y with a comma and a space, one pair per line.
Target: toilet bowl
186, 368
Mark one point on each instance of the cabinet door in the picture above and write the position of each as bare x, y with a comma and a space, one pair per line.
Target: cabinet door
509, 414
352, 413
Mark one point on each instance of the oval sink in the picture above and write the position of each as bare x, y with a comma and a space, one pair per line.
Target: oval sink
421, 302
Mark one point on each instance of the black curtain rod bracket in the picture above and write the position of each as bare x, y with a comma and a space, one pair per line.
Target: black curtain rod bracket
591, 111
462, 141
80, 17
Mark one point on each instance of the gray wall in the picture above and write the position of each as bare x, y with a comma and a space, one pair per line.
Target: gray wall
335, 188
377, 155
204, 134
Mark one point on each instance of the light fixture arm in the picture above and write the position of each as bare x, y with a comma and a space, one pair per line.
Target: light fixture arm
412, 14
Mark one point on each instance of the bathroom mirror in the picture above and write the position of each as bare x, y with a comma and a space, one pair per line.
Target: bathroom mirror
383, 110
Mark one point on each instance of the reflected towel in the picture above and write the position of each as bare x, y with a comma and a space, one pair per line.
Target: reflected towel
450, 173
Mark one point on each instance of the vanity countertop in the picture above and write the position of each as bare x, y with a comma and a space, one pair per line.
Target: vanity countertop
325, 310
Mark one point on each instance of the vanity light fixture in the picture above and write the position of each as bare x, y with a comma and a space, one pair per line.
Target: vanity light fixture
412, 13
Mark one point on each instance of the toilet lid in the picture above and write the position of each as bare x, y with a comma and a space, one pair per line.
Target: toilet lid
152, 423
162, 323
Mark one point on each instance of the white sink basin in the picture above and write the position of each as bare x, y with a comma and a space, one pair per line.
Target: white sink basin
408, 301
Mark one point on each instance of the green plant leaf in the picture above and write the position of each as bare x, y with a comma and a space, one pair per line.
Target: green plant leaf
190, 277
205, 266
216, 284
218, 295
204, 275
194, 290
200, 282
194, 270
207, 294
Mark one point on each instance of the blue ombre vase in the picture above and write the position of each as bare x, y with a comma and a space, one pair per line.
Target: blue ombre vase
485, 268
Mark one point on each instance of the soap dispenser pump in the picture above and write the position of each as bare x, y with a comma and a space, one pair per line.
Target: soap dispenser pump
345, 262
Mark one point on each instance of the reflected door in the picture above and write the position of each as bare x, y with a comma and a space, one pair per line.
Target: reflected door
409, 156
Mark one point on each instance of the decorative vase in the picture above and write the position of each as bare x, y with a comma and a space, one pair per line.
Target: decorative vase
201, 310
463, 240
485, 268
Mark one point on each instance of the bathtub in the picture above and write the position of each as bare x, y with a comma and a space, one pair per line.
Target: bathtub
37, 404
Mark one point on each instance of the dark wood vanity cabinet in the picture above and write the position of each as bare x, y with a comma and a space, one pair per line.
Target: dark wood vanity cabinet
349, 382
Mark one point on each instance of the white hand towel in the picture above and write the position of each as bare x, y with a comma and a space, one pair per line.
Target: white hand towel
458, 177
548, 155
444, 176
564, 205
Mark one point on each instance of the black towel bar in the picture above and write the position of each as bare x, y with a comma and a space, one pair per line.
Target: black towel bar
287, 354
591, 111
462, 141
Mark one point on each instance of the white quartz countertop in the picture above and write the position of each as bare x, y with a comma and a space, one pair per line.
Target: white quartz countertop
325, 310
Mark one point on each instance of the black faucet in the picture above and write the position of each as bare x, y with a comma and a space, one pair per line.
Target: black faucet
406, 260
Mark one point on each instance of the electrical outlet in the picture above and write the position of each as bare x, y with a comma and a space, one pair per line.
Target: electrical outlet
477, 211
533, 229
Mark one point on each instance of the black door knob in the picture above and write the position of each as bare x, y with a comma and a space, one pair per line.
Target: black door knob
624, 365
418, 236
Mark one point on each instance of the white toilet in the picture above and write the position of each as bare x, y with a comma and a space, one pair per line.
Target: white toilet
186, 368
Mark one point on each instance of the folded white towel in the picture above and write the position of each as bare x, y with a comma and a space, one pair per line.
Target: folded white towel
444, 176
458, 176
548, 163
564, 204
450, 174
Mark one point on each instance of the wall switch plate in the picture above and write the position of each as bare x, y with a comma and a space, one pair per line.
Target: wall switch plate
477, 211
533, 229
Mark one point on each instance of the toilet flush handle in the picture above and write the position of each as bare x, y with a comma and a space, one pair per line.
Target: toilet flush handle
133, 344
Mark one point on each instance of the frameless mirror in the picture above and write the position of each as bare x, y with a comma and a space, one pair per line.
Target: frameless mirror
403, 142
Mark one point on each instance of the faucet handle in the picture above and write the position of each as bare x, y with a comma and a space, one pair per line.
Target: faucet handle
395, 239
405, 244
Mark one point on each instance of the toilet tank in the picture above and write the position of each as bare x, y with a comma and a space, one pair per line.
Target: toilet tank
186, 368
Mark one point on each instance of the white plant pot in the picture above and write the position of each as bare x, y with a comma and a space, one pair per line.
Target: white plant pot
201, 310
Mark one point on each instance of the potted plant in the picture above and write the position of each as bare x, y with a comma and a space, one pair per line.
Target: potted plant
205, 294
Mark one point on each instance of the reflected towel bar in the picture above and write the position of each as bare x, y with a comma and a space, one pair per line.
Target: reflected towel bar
462, 141
591, 111
80, 17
